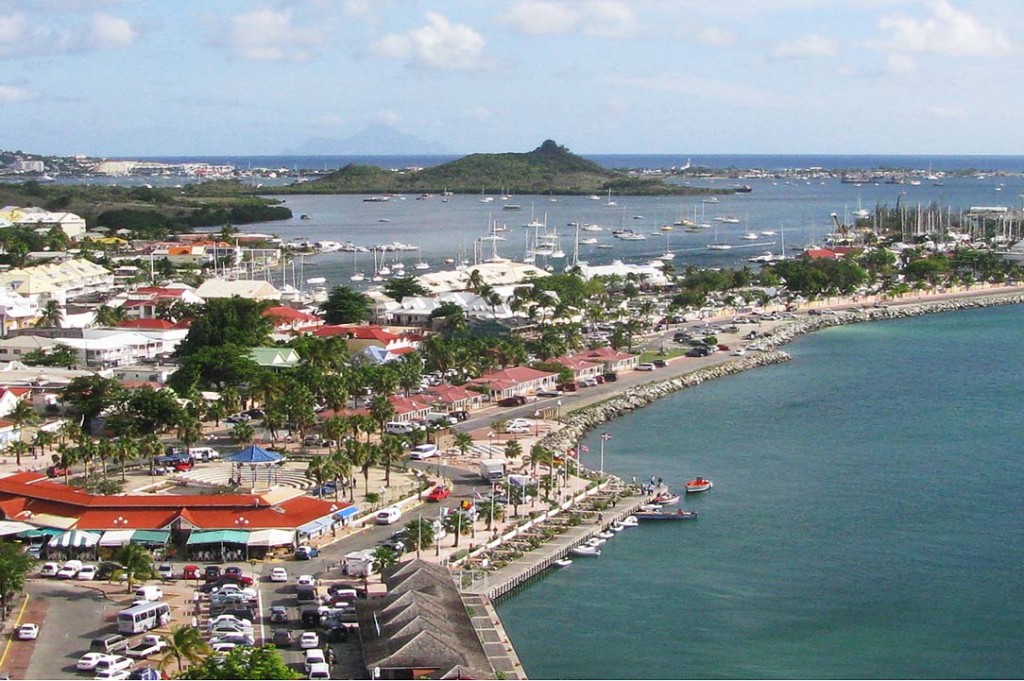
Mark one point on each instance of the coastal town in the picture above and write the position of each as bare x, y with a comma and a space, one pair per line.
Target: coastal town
208, 471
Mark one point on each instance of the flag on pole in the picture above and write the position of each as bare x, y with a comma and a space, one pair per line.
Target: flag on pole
606, 436
585, 449
571, 452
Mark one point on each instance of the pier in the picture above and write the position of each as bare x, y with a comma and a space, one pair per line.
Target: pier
494, 584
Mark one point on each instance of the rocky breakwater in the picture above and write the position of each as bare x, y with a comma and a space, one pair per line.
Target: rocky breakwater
582, 420
789, 332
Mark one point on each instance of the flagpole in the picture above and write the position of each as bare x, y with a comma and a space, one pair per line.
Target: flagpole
602, 453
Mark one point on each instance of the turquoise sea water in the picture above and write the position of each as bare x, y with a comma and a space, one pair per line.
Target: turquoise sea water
866, 520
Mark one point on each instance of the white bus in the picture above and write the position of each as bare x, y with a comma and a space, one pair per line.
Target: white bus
141, 618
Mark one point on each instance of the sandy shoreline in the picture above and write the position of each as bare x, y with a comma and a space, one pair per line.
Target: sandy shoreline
765, 350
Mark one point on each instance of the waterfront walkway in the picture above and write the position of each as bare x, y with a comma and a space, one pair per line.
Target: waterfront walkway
497, 583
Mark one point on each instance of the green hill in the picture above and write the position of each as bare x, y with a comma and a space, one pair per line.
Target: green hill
548, 169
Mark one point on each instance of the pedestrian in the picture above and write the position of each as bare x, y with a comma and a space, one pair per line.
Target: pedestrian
634, 479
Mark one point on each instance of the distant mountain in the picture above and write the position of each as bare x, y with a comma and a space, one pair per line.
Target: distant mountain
548, 169
376, 140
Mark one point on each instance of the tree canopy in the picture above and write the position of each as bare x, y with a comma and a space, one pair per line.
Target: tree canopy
345, 305
261, 662
223, 321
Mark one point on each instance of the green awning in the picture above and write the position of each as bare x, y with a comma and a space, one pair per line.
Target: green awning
39, 532
218, 537
159, 537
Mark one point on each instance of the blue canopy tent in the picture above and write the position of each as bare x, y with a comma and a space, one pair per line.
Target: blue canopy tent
254, 456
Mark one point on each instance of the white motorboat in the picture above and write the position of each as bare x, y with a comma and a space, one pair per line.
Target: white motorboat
563, 562
749, 236
586, 551
617, 526
607, 534
630, 521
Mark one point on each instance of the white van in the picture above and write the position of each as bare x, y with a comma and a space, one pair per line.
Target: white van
149, 593
389, 515
320, 670
420, 452
398, 428
203, 453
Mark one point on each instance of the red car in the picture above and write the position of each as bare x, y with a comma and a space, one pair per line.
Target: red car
183, 466
438, 493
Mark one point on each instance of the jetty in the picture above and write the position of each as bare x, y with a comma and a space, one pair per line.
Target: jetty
496, 583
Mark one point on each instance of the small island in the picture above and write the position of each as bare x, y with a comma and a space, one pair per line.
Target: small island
549, 169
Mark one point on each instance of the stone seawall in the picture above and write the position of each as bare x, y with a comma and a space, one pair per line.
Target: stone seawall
789, 332
580, 421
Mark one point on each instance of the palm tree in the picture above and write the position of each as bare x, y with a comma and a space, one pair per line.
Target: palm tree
22, 415
341, 469
137, 562
51, 316
383, 558
457, 523
463, 441
392, 451
18, 448
43, 439
362, 455
475, 281
184, 643
491, 511
244, 433
513, 449
128, 449
419, 534
381, 410
317, 469
540, 455
107, 315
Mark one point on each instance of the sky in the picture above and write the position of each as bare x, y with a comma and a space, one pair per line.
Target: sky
122, 78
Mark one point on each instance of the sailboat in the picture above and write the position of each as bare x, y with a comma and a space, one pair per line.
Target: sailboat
610, 202
715, 246
356, 274
668, 254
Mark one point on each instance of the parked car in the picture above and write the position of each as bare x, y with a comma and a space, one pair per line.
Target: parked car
112, 675
646, 366
314, 656
211, 573
388, 516
283, 638
610, 377
278, 614
514, 401
233, 572
305, 580
28, 632
549, 393
309, 639
87, 662
700, 351
517, 428
166, 571
57, 471
87, 573
439, 493
238, 418
306, 552
659, 363
279, 574
49, 570
114, 663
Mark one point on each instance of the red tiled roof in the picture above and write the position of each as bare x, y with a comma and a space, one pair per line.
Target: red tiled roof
31, 492
603, 354
357, 332
820, 253
282, 313
156, 324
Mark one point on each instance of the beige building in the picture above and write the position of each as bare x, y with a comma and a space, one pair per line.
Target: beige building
58, 281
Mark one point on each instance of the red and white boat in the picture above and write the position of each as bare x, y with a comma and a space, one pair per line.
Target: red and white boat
665, 498
698, 484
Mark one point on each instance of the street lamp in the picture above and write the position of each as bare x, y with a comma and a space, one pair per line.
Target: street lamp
558, 413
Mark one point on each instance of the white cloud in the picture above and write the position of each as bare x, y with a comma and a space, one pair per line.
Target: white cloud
24, 36
542, 17
439, 45
109, 32
807, 47
946, 31
389, 116
610, 19
716, 36
11, 94
267, 34
599, 18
